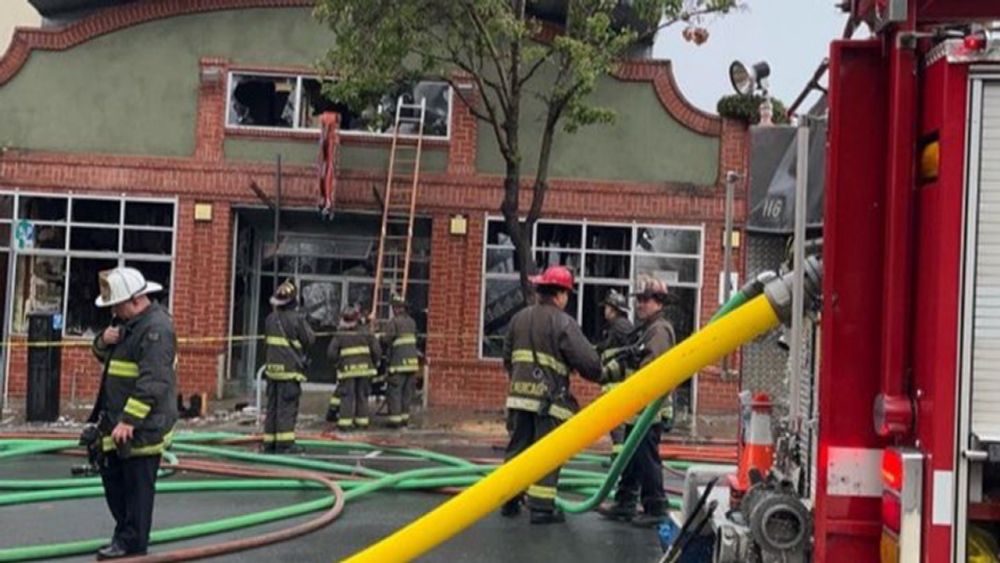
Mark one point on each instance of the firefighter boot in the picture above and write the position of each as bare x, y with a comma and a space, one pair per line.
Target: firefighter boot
547, 517
620, 510
332, 414
652, 516
288, 449
511, 508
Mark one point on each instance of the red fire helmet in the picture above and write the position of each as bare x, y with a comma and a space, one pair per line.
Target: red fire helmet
556, 276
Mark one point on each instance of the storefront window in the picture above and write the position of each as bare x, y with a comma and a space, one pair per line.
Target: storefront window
603, 257
80, 236
39, 287
83, 288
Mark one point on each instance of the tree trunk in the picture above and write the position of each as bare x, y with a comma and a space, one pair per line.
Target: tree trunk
520, 232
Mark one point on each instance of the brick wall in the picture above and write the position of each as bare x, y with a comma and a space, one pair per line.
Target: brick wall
202, 270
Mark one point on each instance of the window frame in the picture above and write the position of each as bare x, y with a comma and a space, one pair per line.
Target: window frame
298, 93
582, 251
119, 255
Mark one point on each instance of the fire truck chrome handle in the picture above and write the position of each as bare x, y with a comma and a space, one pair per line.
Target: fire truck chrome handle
975, 455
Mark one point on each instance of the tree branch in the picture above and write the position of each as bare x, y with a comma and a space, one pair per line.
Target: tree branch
487, 40
541, 186
537, 65
649, 35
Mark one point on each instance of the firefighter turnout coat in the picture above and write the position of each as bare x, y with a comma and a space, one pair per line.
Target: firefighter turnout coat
354, 353
619, 336
139, 385
399, 339
287, 335
656, 339
543, 345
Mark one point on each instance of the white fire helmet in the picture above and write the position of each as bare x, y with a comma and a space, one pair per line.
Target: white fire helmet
121, 284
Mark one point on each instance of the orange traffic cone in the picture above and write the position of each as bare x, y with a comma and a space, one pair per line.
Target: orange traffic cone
758, 451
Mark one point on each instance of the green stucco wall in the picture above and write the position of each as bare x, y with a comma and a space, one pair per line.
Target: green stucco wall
352, 157
644, 143
135, 92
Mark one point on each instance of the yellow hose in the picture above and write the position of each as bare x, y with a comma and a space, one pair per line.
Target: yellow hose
655, 380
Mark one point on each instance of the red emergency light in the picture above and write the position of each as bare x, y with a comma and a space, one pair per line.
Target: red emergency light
892, 470
976, 41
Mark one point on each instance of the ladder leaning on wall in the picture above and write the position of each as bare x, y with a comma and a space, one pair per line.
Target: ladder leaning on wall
395, 244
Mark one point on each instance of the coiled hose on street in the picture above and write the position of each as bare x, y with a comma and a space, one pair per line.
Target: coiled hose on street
343, 482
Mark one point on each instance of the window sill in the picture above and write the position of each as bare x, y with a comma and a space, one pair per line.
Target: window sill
348, 138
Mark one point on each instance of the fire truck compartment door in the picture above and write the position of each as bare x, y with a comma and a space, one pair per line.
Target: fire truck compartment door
986, 306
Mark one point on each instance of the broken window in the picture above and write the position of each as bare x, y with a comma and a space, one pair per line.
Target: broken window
296, 102
314, 104
262, 101
381, 117
612, 257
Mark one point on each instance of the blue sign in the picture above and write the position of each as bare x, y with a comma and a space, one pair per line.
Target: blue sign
57, 322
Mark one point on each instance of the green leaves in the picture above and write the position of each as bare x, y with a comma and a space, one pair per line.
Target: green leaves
747, 109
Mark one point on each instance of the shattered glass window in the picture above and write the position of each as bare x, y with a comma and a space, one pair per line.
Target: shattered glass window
262, 101
602, 257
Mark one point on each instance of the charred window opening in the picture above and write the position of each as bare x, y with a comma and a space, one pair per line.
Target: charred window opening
265, 101
296, 102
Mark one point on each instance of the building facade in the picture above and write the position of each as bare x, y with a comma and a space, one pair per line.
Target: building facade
148, 134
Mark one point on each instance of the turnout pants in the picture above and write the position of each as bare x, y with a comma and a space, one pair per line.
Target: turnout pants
282, 410
644, 474
617, 439
129, 486
525, 429
353, 392
400, 395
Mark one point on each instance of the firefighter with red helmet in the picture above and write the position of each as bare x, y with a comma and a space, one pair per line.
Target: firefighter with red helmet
642, 478
542, 347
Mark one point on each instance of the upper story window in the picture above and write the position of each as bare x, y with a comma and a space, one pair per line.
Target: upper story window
294, 102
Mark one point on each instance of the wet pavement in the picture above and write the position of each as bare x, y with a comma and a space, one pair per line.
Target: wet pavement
583, 538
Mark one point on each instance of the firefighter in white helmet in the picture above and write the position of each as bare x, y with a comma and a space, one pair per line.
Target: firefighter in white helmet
136, 408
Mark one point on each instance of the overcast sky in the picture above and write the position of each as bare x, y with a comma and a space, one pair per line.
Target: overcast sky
12, 13
792, 35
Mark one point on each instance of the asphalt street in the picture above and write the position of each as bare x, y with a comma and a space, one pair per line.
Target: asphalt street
582, 539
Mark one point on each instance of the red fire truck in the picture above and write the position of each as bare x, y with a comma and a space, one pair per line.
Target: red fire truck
906, 422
